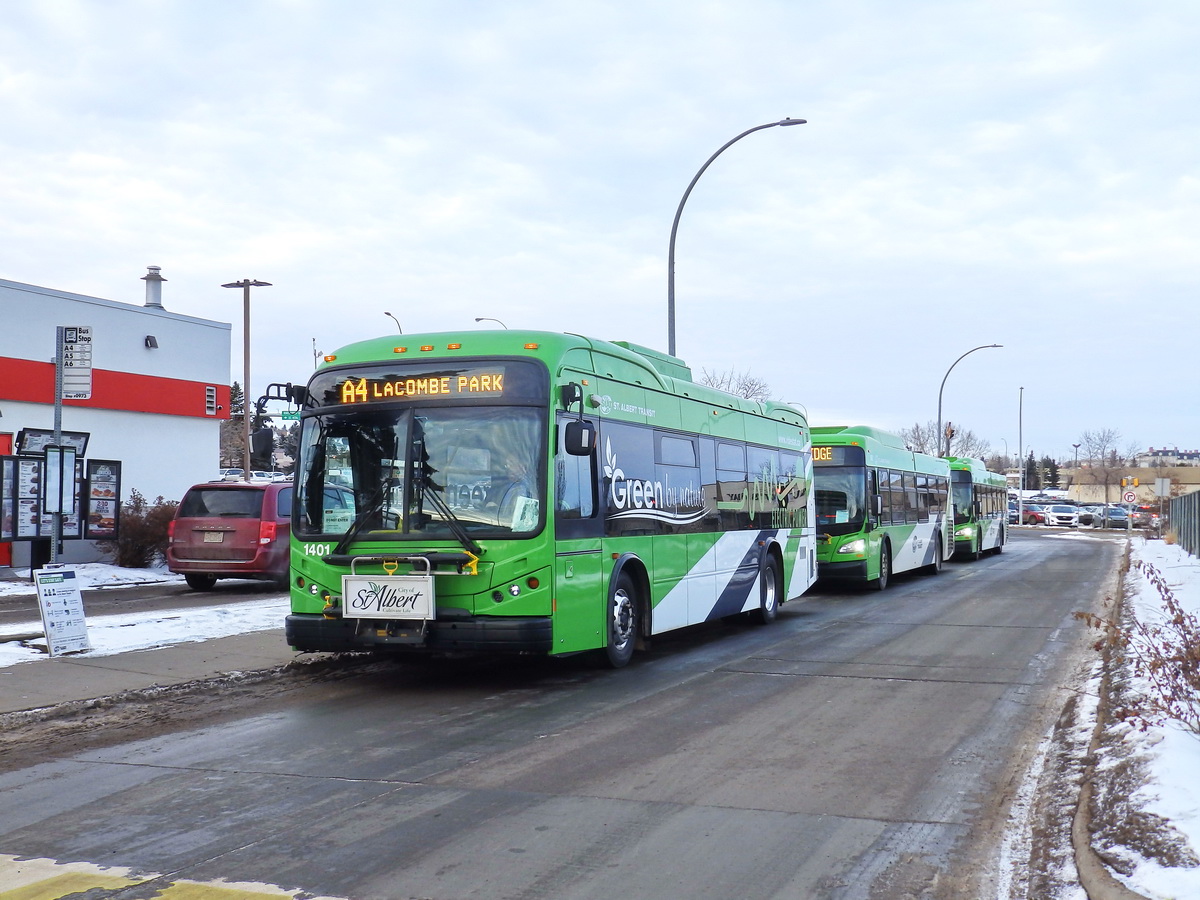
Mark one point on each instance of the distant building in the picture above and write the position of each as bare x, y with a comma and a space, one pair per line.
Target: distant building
1164, 458
160, 388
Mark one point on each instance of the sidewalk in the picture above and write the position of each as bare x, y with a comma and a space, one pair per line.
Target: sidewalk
47, 682
43, 681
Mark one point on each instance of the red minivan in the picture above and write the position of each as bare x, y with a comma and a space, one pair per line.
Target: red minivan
231, 529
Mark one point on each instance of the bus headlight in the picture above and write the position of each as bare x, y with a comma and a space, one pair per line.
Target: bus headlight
965, 531
858, 545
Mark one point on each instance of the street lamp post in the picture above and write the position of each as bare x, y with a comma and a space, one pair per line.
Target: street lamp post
944, 377
397, 321
679, 212
1021, 454
490, 319
245, 284
1076, 446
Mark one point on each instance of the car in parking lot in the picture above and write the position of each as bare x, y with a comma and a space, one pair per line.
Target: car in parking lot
1116, 517
1033, 514
229, 475
1061, 514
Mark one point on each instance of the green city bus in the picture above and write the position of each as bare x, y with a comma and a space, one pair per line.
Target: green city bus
980, 507
881, 508
539, 493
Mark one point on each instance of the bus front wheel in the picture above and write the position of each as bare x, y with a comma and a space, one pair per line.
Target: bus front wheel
768, 595
622, 622
885, 567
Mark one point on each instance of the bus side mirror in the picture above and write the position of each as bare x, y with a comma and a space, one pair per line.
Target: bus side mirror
877, 504
579, 438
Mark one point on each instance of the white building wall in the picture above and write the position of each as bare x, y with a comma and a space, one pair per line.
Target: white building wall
161, 454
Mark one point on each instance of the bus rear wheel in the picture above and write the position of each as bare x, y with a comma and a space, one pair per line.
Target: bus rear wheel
885, 567
622, 622
769, 581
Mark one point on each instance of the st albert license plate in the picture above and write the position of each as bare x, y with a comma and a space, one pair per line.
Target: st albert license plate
387, 596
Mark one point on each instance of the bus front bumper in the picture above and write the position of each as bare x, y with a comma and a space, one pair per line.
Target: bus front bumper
851, 570
465, 634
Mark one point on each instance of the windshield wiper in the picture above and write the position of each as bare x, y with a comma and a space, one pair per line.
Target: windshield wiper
438, 502
374, 505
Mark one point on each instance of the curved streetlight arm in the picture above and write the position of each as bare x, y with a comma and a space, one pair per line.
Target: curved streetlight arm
679, 212
944, 377
397, 321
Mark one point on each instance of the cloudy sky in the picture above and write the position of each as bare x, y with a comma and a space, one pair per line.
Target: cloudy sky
1018, 173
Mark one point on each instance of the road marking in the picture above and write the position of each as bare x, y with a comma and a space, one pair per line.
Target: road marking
45, 879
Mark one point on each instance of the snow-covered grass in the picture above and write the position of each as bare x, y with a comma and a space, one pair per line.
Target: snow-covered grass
1171, 754
125, 632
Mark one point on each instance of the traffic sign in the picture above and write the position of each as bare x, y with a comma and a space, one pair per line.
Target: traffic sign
290, 414
1129, 497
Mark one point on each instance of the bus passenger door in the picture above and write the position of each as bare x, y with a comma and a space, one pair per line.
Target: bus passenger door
579, 577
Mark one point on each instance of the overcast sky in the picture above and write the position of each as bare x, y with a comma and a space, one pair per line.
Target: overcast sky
1019, 173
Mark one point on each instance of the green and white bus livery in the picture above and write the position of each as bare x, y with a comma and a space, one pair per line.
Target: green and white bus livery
881, 508
980, 507
530, 492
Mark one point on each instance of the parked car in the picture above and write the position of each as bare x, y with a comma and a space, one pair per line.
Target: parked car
1033, 514
1116, 517
231, 530
1091, 515
1061, 514
281, 477
229, 475
1012, 513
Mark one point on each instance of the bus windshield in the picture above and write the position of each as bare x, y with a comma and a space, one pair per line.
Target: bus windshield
841, 498
960, 491
397, 473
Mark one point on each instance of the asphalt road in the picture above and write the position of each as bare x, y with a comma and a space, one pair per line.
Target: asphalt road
864, 746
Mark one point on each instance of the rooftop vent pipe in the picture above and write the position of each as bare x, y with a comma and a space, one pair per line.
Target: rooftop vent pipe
154, 287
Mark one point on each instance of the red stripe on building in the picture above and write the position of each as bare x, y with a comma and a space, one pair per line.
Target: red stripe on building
27, 381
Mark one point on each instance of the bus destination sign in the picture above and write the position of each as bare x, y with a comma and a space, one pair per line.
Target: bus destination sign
473, 383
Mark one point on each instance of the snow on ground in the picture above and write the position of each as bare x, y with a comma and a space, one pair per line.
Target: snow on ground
93, 575
124, 632
1173, 754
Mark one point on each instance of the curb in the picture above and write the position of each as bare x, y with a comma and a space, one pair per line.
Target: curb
1094, 877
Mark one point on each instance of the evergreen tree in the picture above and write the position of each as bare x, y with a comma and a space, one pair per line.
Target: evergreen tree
1050, 472
237, 400
1033, 480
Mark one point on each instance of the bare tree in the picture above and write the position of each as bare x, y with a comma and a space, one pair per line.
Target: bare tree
1099, 445
1105, 462
741, 384
923, 439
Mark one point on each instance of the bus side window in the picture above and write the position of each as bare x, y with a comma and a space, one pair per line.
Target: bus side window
574, 481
